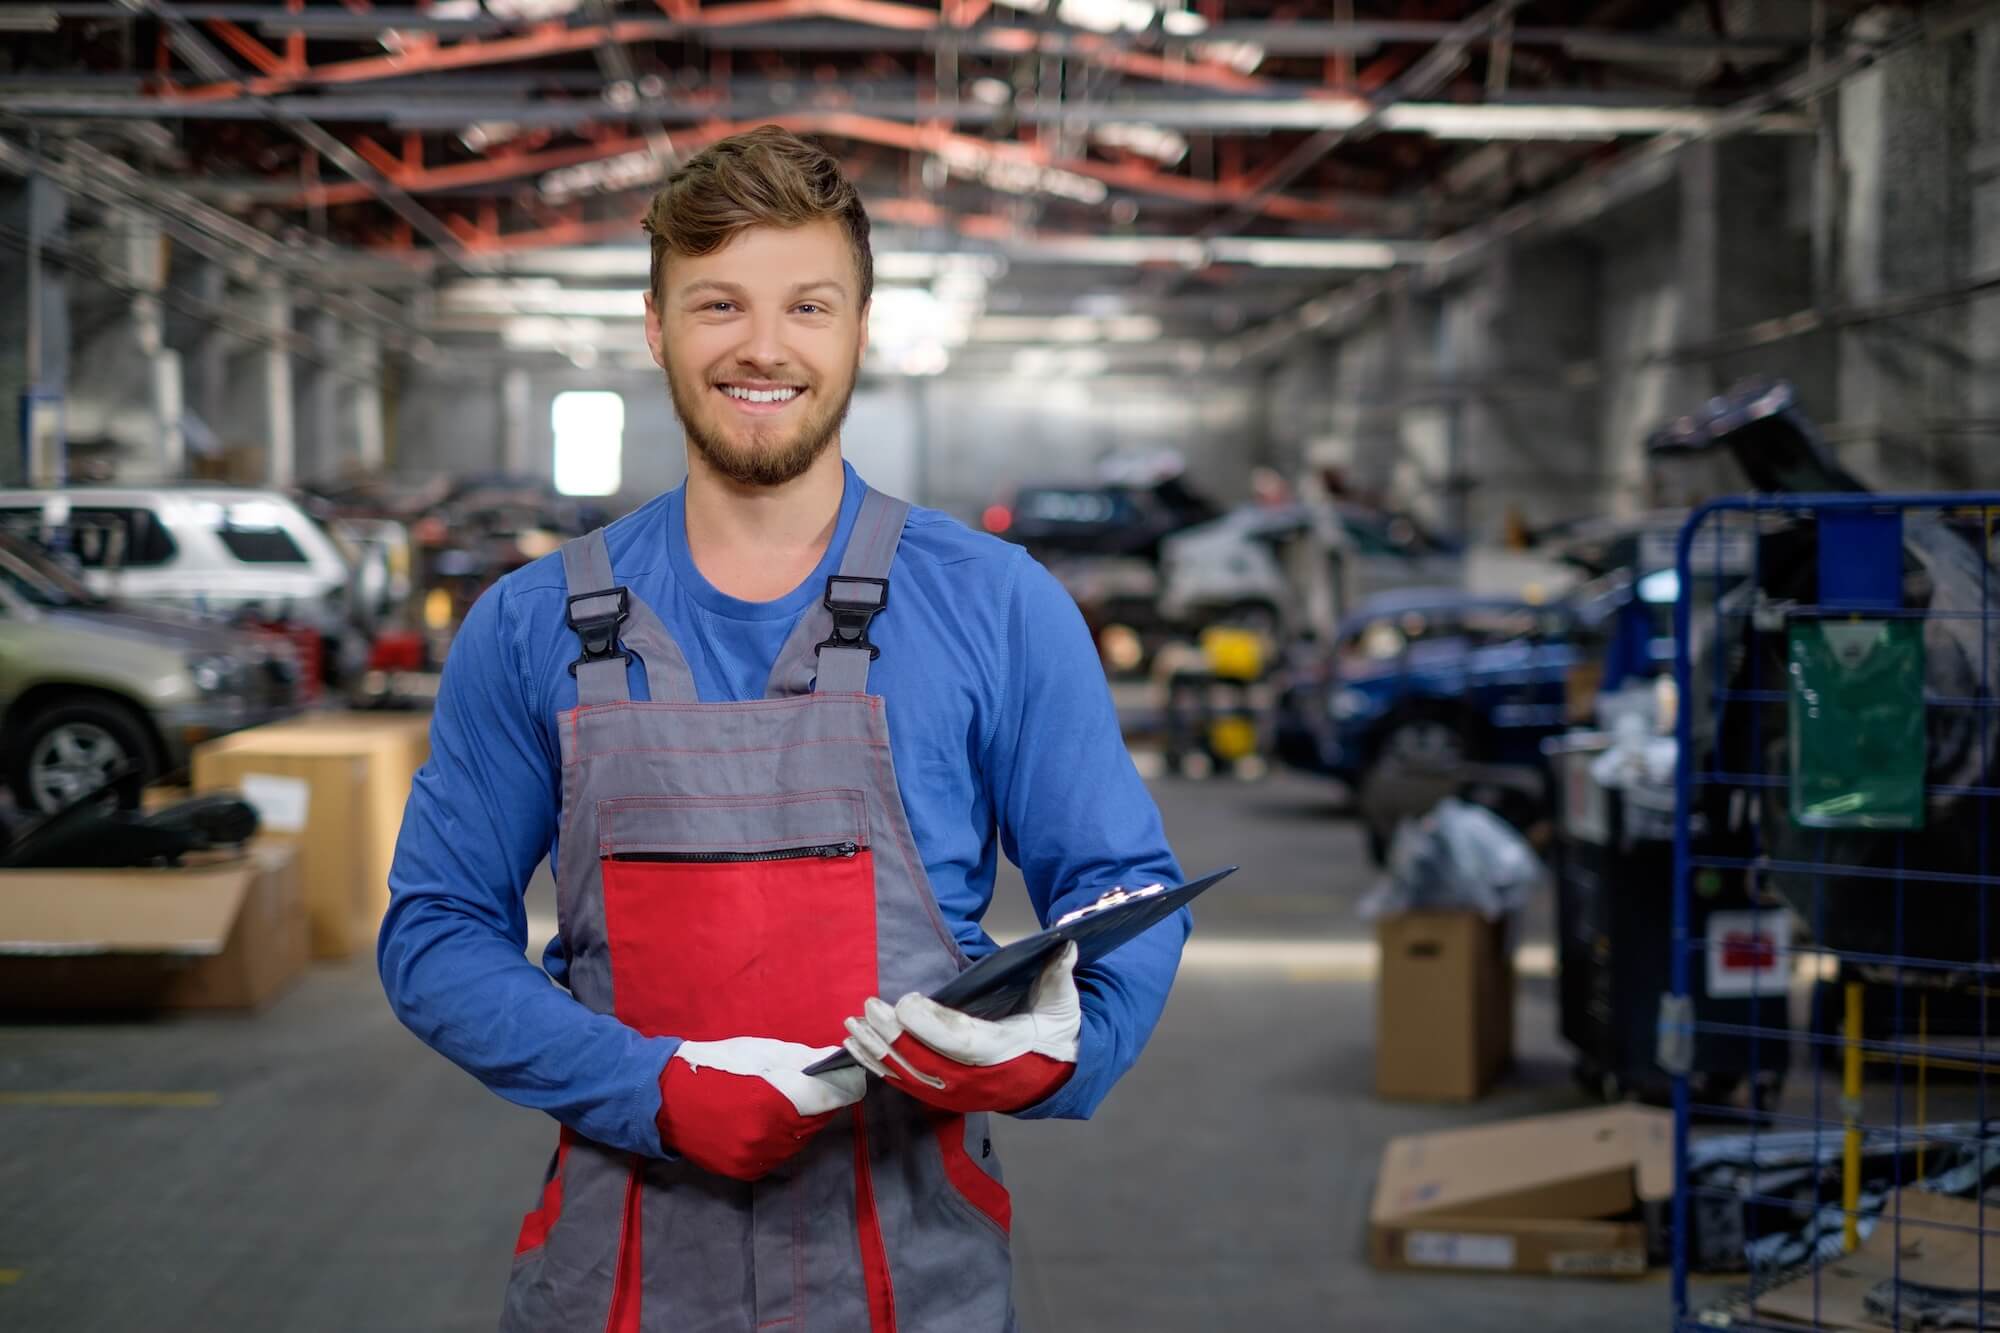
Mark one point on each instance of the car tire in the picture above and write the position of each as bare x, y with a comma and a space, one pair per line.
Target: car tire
88, 736
1424, 738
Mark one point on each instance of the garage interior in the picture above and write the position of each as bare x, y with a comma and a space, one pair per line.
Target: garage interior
1300, 340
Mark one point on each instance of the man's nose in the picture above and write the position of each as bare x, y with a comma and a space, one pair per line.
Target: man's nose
764, 343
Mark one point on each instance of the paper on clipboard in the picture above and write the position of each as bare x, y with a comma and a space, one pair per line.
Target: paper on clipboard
997, 984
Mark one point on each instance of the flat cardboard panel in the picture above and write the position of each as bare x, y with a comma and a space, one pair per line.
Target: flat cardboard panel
1444, 1026
261, 949
1590, 1163
186, 911
1931, 1255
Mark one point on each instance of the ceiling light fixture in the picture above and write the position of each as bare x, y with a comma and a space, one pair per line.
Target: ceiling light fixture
1167, 147
1103, 16
1286, 252
1243, 57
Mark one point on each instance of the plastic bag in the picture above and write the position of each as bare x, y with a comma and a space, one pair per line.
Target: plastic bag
1460, 856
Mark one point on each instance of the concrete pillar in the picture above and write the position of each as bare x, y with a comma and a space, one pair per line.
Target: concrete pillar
1529, 443
275, 361
321, 447
516, 402
125, 388
199, 289
34, 334
1983, 317
1906, 141
360, 412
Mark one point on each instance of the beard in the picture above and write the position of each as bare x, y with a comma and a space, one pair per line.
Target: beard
771, 455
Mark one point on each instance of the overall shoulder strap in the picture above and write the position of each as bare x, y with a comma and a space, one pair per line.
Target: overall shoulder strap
612, 625
831, 639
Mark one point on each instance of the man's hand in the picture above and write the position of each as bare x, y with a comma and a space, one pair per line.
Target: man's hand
740, 1107
956, 1062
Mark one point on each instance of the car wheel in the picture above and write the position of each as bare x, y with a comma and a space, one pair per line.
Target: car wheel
70, 750
1425, 742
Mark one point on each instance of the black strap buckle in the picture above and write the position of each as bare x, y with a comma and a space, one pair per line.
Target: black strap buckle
599, 633
854, 602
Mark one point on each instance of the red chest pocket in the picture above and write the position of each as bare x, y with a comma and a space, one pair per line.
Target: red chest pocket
739, 916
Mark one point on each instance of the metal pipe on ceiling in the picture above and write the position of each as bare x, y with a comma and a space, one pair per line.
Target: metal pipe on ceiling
1307, 37
1520, 121
1427, 75
242, 249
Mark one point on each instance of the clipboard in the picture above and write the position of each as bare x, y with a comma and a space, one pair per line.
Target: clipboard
998, 984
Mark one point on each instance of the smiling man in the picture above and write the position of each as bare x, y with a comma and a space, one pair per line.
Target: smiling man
772, 729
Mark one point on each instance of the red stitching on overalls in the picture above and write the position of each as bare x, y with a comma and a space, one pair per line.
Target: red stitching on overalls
849, 795
855, 800
750, 749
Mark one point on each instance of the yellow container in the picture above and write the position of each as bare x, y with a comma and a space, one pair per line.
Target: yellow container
1232, 738
1233, 654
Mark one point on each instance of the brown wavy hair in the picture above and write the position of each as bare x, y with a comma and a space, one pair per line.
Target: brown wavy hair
766, 177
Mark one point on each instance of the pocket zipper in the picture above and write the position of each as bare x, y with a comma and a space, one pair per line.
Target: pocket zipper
824, 851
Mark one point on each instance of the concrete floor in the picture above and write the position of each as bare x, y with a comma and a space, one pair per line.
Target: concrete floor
332, 1174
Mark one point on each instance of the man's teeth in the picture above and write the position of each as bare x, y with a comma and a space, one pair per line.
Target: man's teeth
761, 395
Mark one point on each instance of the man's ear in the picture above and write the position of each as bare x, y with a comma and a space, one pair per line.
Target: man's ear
862, 349
655, 336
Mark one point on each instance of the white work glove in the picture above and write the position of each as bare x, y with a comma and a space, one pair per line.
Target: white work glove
742, 1106
955, 1062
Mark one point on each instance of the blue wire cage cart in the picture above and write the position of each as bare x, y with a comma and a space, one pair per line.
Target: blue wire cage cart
1837, 728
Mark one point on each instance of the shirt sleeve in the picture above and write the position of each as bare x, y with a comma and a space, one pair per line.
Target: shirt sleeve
481, 816
1077, 819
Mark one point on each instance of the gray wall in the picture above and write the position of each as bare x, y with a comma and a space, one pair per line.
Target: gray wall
955, 443
1529, 388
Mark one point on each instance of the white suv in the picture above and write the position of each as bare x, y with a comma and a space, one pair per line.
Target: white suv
217, 550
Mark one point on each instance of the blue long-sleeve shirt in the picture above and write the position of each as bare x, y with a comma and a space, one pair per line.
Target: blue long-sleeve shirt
1003, 736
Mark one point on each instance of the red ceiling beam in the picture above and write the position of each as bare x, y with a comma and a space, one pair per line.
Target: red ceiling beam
423, 54
1199, 73
1135, 177
905, 212
252, 50
295, 43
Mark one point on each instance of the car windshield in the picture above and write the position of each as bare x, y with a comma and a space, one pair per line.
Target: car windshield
30, 574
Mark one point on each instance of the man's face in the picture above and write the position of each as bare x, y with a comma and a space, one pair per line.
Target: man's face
761, 341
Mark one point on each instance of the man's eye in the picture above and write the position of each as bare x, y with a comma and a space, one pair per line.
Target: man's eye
811, 309
721, 305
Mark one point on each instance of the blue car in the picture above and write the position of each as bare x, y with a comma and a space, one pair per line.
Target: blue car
1431, 676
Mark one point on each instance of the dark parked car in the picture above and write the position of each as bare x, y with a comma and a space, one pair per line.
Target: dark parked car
1101, 519
1430, 676
1102, 540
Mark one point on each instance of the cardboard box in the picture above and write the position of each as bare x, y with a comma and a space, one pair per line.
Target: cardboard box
1444, 1006
1562, 1195
336, 784
224, 934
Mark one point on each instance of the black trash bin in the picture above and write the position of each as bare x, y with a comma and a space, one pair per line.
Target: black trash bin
1614, 873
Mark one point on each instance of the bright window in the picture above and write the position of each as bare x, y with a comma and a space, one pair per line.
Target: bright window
590, 442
